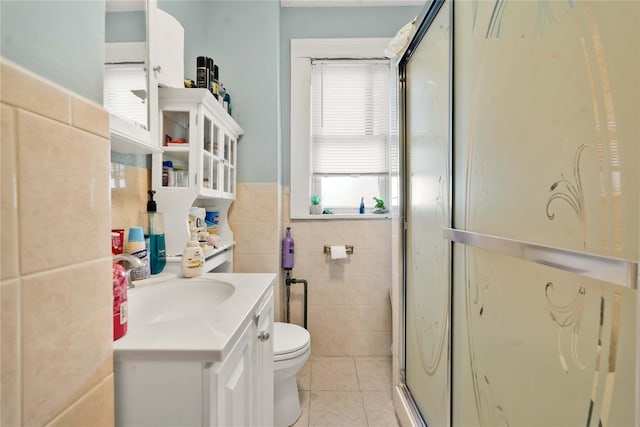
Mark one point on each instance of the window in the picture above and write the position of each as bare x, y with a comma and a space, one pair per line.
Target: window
343, 102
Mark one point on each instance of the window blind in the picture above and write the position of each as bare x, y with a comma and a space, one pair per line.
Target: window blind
350, 117
119, 83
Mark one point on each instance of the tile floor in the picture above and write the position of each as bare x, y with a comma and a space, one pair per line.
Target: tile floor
346, 391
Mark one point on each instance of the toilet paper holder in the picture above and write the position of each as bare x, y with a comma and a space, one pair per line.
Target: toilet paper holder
348, 248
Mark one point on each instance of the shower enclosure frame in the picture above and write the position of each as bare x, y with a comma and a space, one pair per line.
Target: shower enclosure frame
422, 25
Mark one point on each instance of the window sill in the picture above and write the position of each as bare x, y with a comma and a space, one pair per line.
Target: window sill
329, 217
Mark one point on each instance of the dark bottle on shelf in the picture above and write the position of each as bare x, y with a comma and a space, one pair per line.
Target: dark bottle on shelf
202, 74
210, 68
216, 87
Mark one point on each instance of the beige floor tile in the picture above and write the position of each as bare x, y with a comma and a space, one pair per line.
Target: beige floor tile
333, 373
372, 359
374, 374
379, 409
303, 420
336, 408
304, 376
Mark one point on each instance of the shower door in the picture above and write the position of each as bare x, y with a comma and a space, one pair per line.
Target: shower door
531, 319
427, 266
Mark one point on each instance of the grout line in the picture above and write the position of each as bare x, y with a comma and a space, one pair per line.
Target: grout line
364, 408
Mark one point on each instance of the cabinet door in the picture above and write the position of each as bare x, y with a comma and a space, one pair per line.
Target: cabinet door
178, 135
209, 153
233, 385
229, 165
262, 387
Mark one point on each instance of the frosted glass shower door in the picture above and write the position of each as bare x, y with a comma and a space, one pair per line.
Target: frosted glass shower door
522, 147
546, 149
427, 266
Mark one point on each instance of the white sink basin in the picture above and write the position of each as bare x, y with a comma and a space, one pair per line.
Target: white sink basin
173, 300
173, 318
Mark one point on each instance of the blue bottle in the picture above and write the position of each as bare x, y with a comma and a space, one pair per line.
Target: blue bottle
362, 205
153, 226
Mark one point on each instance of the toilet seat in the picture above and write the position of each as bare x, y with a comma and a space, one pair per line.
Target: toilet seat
289, 341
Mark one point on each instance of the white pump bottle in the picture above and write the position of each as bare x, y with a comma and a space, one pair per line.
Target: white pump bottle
192, 257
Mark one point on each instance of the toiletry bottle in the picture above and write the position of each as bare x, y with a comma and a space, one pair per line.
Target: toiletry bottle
153, 226
222, 92
192, 257
362, 205
216, 88
201, 71
210, 68
137, 247
119, 280
287, 251
167, 174
227, 102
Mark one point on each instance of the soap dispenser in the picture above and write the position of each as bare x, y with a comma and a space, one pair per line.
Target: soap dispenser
193, 257
153, 225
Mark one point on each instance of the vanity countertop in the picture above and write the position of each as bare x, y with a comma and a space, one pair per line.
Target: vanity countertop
166, 322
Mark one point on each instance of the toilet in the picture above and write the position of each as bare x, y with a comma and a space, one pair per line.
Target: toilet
291, 349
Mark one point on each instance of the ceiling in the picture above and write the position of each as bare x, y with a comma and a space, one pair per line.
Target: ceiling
350, 3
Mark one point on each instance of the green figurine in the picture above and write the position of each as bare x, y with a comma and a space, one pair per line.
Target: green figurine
379, 208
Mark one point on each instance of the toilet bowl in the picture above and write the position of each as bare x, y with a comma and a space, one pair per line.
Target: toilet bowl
291, 349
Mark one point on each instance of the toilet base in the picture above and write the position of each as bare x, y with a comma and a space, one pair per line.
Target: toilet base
286, 402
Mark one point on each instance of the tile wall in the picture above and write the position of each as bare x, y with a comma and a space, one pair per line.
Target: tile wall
55, 289
254, 219
129, 186
349, 310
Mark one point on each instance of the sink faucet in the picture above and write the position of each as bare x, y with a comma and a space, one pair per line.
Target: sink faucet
134, 262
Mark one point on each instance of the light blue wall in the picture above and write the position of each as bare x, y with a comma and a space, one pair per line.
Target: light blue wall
62, 41
126, 27
299, 23
249, 40
242, 37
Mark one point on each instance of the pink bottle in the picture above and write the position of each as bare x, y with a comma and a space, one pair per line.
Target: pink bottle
119, 277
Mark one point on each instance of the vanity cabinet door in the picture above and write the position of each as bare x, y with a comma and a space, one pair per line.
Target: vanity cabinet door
233, 384
262, 387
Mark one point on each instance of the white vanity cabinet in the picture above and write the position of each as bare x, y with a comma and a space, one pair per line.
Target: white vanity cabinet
244, 382
199, 156
236, 391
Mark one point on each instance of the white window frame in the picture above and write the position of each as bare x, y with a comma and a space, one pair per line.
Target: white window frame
302, 51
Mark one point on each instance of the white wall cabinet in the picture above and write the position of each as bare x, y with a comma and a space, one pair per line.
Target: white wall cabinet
199, 140
160, 58
237, 391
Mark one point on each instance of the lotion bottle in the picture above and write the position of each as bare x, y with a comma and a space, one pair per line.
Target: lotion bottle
192, 257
